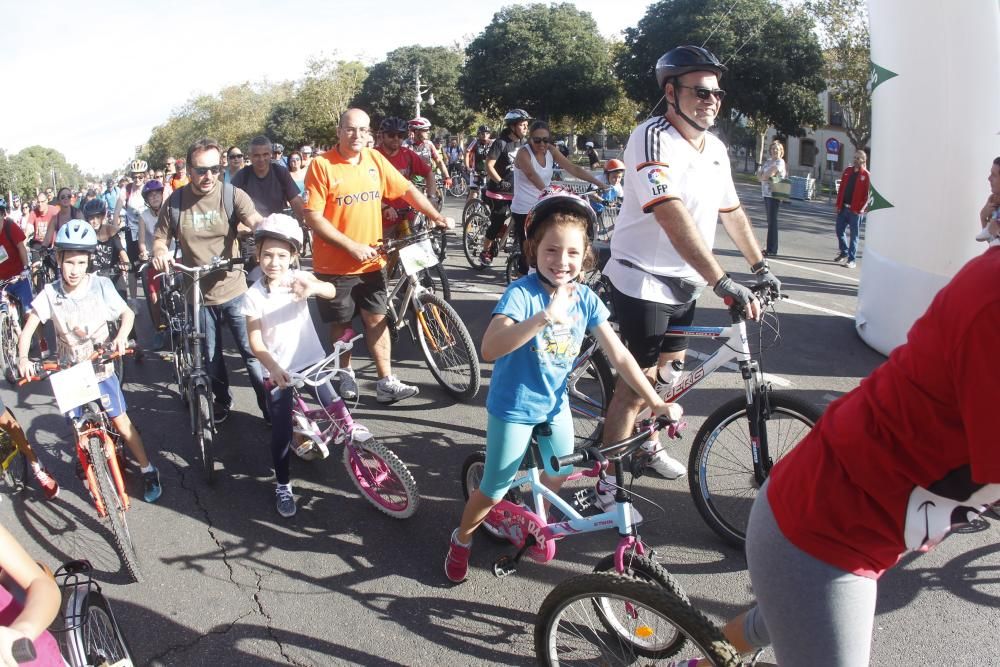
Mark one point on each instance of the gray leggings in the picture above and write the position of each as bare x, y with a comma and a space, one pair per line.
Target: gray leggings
817, 615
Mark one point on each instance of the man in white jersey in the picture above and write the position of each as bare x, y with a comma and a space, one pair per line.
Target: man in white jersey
678, 185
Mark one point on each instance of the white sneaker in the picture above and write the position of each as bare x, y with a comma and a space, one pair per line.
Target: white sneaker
984, 234
348, 385
662, 463
389, 390
604, 498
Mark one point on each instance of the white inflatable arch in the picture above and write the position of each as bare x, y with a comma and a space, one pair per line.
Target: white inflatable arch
935, 133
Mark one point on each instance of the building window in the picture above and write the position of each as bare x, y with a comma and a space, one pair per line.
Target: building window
807, 153
836, 113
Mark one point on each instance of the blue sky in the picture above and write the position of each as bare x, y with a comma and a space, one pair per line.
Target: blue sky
92, 79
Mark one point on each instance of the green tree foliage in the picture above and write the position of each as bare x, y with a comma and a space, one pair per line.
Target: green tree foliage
843, 30
774, 60
33, 168
311, 111
390, 89
547, 59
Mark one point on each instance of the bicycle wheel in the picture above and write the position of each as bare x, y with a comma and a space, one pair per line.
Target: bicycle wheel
722, 480
474, 206
472, 477
589, 386
205, 433
459, 186
382, 478
435, 279
182, 367
567, 632
97, 640
447, 346
473, 236
115, 518
513, 269
10, 330
13, 464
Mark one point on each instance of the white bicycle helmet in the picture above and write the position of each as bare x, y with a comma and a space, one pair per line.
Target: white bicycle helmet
419, 123
138, 166
76, 235
282, 227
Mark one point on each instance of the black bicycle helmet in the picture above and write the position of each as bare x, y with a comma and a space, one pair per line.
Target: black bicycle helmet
515, 116
94, 208
684, 59
482, 129
556, 199
394, 124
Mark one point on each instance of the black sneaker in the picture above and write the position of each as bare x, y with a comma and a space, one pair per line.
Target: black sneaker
221, 413
840, 256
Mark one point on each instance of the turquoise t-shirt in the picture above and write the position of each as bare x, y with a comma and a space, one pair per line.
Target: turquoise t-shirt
529, 384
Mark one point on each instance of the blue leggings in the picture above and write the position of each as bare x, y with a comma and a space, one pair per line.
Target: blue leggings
816, 614
507, 443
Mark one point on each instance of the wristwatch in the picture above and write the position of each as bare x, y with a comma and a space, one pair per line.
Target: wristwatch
760, 267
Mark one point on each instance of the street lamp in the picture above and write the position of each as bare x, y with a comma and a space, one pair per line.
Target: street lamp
421, 91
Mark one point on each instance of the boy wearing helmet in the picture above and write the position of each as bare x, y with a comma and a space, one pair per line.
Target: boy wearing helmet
500, 172
283, 337
80, 305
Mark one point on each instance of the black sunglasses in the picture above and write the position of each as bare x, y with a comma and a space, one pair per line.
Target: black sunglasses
236, 156
201, 171
702, 93
540, 140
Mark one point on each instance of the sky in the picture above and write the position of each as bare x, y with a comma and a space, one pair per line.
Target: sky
92, 79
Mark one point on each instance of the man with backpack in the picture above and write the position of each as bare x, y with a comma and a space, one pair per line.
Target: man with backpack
205, 217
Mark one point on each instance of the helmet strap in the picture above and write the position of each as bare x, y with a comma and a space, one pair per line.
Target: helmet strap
677, 106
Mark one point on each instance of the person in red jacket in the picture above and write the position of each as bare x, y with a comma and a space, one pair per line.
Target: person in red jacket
852, 200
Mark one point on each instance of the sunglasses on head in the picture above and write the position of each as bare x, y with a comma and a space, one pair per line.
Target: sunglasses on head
201, 171
702, 93
540, 140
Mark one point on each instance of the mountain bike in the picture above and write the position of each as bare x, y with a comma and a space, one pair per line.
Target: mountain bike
474, 228
86, 629
521, 518
739, 442
10, 330
194, 386
434, 278
99, 446
379, 475
444, 339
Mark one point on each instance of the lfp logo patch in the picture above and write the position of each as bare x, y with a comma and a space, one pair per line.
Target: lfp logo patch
657, 176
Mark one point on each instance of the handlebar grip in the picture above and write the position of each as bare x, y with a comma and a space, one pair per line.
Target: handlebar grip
23, 650
347, 335
568, 460
237, 260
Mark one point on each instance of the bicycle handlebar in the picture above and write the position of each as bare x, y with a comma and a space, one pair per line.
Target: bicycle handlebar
44, 368
765, 294
341, 345
387, 246
621, 448
217, 264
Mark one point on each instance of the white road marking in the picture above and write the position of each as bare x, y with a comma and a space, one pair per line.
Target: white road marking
771, 260
821, 309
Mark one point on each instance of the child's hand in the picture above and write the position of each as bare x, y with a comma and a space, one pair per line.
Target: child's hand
279, 376
561, 304
304, 286
672, 411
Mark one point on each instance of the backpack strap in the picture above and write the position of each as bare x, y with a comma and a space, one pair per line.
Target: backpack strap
228, 203
174, 208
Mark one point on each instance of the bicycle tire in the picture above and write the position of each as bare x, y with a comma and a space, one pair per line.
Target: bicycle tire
10, 331
590, 385
652, 612
472, 476
459, 186
473, 206
473, 233
181, 368
513, 271
382, 478
450, 353
15, 473
98, 639
720, 466
115, 515
205, 433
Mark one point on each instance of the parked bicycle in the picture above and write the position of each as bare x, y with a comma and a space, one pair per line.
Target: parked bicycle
443, 338
739, 442
379, 475
194, 386
100, 455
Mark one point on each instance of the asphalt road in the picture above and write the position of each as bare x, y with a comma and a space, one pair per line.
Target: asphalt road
229, 582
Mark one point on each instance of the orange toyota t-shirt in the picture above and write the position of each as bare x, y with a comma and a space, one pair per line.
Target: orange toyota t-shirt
350, 197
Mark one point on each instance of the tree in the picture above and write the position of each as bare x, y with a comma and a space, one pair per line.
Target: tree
547, 59
773, 58
390, 89
36, 167
843, 33
311, 112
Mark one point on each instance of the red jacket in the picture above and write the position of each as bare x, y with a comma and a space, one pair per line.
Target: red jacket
859, 199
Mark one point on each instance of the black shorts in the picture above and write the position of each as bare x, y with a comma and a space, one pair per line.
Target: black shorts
132, 250
366, 291
641, 325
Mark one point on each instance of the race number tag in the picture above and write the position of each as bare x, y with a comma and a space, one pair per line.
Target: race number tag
418, 256
75, 386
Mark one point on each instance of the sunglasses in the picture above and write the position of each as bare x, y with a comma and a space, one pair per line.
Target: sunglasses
703, 93
236, 156
201, 171
65, 196
540, 140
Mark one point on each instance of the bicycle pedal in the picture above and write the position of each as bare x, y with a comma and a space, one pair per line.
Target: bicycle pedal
584, 499
504, 566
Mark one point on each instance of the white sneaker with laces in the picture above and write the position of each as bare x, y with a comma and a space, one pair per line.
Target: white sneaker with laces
348, 385
389, 390
662, 463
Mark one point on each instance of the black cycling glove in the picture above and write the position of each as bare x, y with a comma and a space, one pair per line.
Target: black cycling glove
740, 294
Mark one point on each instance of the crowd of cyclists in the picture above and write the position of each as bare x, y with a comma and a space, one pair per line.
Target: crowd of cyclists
674, 184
